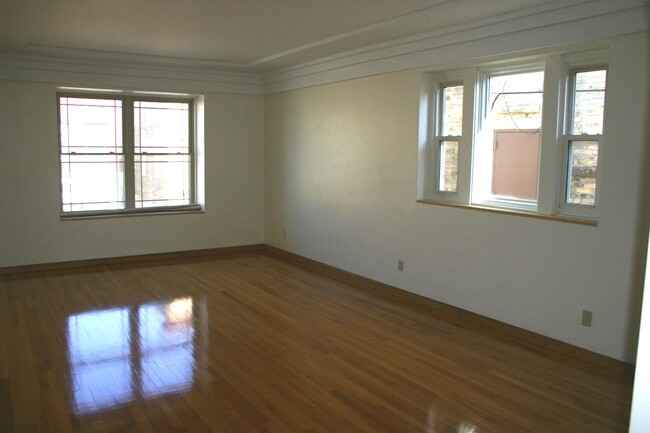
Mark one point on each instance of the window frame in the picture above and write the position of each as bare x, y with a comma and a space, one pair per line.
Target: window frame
553, 162
438, 139
431, 114
482, 103
128, 147
562, 207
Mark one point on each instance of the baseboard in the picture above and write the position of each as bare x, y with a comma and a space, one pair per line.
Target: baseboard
157, 257
546, 346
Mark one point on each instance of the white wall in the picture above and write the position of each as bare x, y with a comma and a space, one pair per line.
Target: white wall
640, 414
341, 167
31, 230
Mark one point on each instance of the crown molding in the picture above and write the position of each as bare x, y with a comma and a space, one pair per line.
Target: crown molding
126, 58
404, 18
193, 76
548, 27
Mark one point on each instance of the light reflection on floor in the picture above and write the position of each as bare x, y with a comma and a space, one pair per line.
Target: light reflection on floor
466, 427
123, 354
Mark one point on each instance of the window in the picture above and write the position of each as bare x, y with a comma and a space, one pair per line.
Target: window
520, 137
583, 139
507, 148
449, 135
126, 154
442, 176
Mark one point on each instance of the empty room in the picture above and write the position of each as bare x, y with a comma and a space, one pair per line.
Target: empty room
324, 216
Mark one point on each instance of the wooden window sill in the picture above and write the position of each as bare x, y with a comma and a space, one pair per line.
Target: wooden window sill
558, 218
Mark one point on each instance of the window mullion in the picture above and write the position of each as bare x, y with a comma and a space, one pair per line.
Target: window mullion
552, 149
129, 151
192, 153
470, 77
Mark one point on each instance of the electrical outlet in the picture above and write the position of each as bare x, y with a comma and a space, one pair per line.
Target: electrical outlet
400, 265
284, 234
586, 318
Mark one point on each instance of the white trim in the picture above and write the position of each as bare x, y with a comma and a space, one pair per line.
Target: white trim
126, 58
551, 134
182, 209
509, 204
550, 27
94, 74
425, 136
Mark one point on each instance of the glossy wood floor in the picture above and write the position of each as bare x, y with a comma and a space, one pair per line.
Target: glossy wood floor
253, 344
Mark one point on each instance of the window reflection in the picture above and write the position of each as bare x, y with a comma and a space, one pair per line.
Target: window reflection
118, 355
166, 340
98, 350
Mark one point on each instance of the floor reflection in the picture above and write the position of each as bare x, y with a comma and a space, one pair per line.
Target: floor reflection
122, 354
167, 347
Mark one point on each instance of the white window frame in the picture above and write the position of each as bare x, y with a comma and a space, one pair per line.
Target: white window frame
128, 99
439, 139
562, 207
556, 115
483, 93
430, 136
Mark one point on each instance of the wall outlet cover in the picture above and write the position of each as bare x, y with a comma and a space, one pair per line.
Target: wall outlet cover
586, 318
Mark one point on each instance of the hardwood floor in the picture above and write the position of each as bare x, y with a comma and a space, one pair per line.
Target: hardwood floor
249, 343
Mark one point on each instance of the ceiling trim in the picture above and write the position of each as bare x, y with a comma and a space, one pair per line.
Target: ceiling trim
404, 18
121, 57
193, 76
537, 28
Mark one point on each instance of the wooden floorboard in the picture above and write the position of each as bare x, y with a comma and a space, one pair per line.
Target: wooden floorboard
251, 343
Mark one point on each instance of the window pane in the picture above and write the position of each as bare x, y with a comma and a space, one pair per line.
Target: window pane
162, 180
448, 166
589, 102
162, 154
515, 101
516, 164
90, 125
92, 162
92, 182
452, 111
583, 164
161, 127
